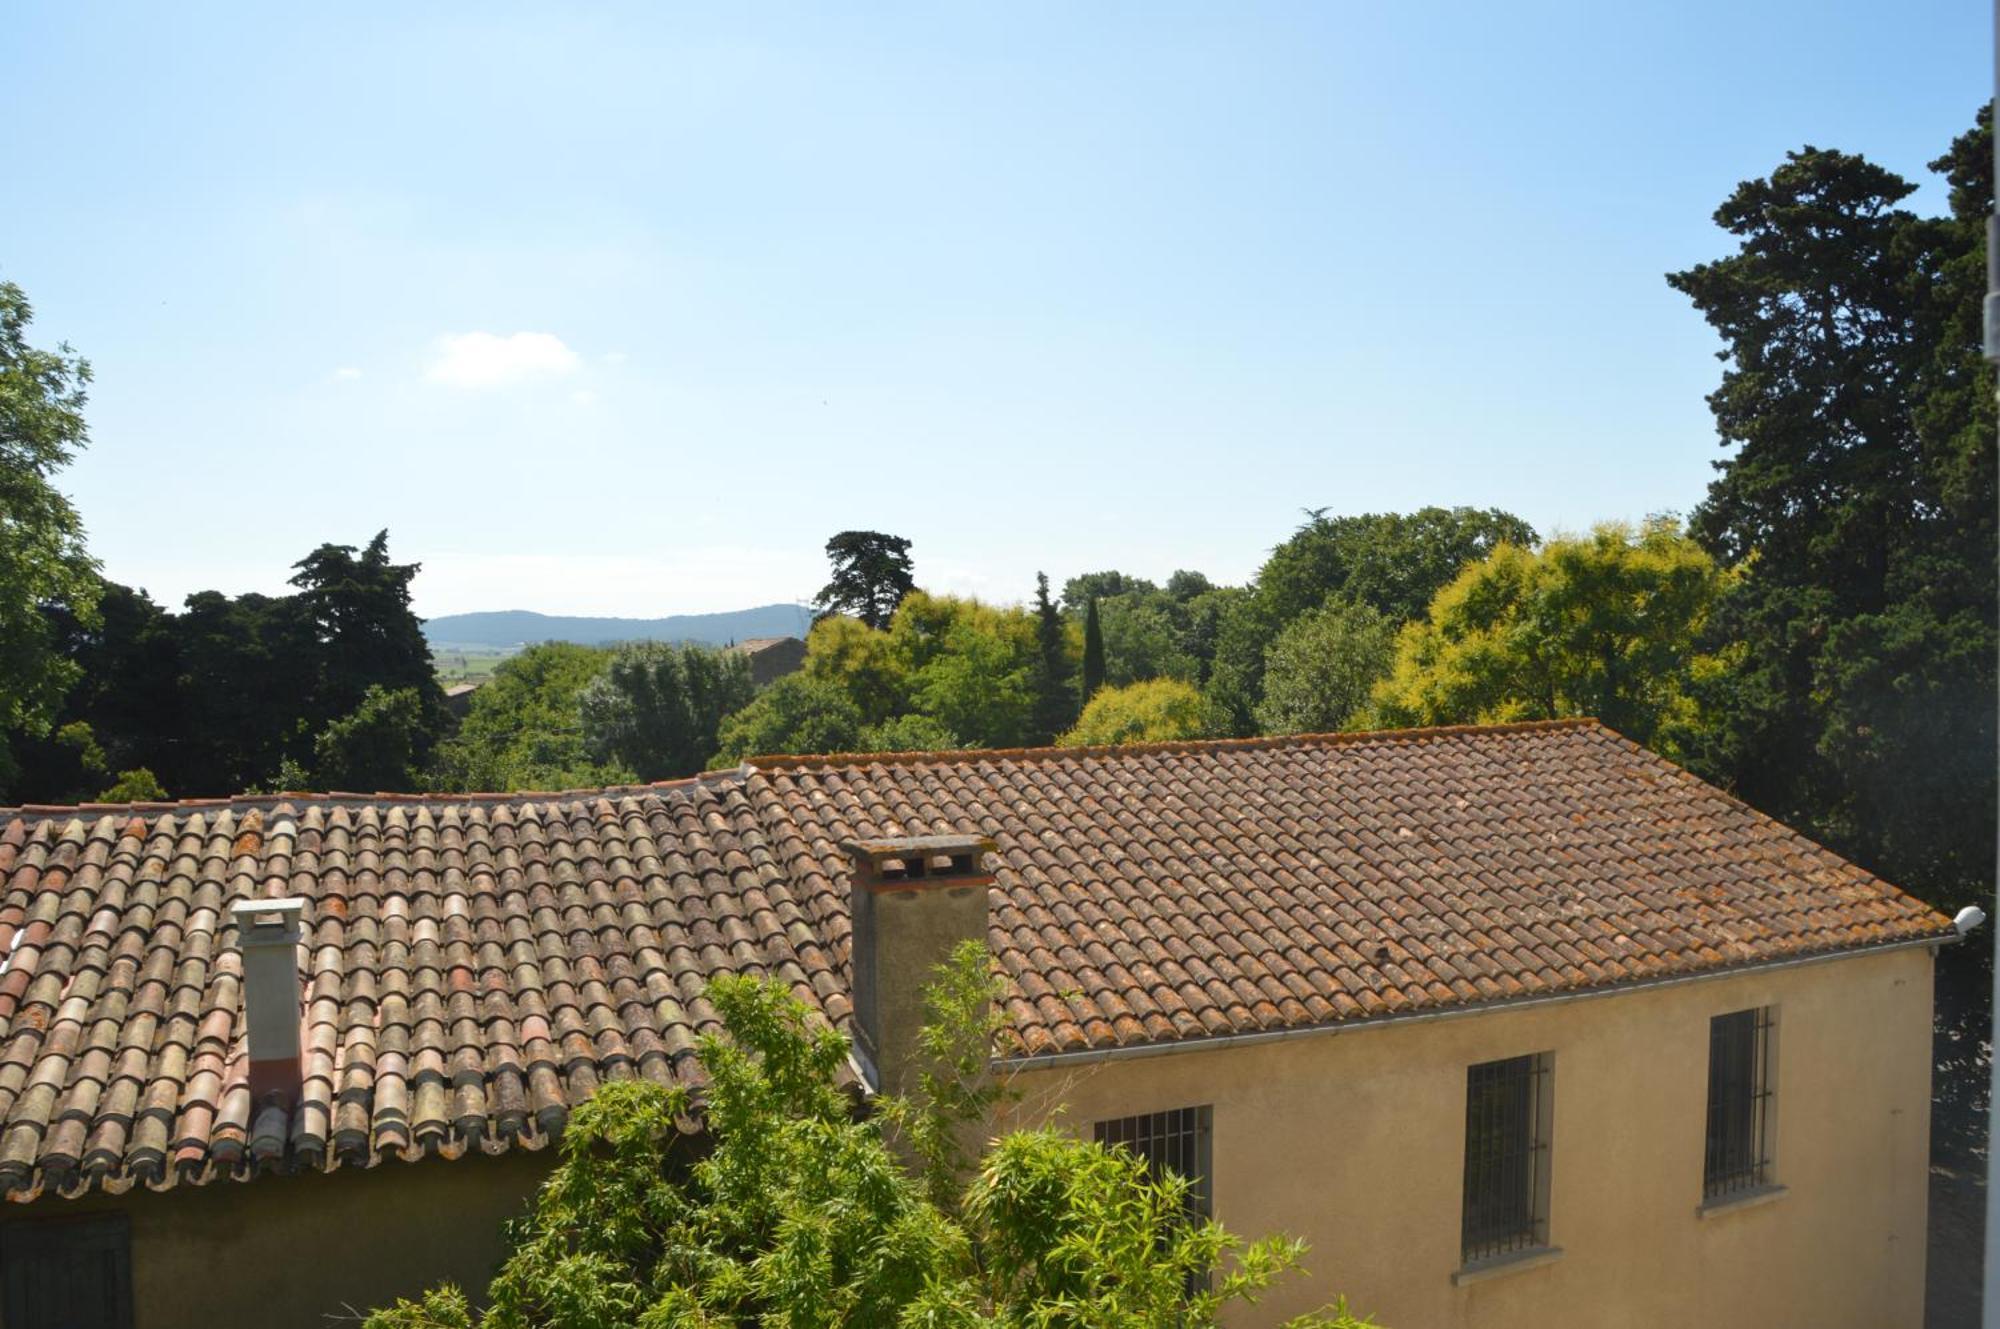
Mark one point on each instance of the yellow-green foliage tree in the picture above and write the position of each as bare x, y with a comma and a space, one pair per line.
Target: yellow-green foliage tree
1159, 710
968, 666
1606, 624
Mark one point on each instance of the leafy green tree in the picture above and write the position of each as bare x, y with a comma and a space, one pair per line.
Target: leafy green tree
797, 713
43, 562
1080, 590
1148, 631
908, 733
981, 684
1604, 625
1093, 652
356, 605
1858, 502
129, 688
969, 666
374, 748
658, 708
1156, 711
1055, 696
1392, 562
135, 786
523, 728
248, 682
1144, 637
862, 662
1320, 672
66, 765
871, 575
799, 1213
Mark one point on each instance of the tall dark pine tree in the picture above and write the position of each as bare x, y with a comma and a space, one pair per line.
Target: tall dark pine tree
1055, 700
871, 575
1093, 653
356, 606
1858, 503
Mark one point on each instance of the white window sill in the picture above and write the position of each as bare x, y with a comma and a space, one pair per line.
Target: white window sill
1511, 1263
1740, 1200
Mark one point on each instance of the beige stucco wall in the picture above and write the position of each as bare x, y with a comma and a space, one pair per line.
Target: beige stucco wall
1350, 1140
284, 1251
1355, 1142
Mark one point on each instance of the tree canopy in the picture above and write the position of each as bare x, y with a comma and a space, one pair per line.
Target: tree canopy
1158, 710
797, 713
798, 1211
43, 562
376, 746
1605, 625
523, 729
871, 575
1322, 669
1055, 695
1394, 563
235, 691
1857, 501
658, 709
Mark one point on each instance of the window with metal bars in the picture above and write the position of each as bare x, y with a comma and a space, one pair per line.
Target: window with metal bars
1173, 1141
67, 1274
1507, 1119
1738, 1153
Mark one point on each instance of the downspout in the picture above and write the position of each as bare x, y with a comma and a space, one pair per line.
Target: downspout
1990, 1315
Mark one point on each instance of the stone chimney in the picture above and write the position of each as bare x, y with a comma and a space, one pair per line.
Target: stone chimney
267, 933
914, 902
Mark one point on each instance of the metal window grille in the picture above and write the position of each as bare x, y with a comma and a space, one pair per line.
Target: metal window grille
1738, 1155
66, 1274
1173, 1141
1506, 1156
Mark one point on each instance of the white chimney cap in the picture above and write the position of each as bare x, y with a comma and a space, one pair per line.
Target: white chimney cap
268, 921
1968, 918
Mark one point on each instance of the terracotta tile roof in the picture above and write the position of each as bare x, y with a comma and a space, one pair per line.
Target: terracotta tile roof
1183, 891
477, 964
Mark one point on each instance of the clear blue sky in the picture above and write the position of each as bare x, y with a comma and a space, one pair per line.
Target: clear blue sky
624, 310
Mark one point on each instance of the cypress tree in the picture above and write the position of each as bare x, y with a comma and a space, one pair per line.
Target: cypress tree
1055, 703
1093, 652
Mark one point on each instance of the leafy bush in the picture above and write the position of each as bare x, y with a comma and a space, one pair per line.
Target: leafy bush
135, 786
804, 1214
1157, 711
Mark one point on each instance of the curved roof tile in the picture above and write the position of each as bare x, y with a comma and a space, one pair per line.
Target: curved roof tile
475, 965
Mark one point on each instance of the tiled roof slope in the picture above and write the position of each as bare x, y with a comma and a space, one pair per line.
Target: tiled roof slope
472, 970
476, 965
1191, 890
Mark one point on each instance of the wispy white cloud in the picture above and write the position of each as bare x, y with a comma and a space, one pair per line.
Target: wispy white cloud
584, 397
486, 360
615, 357
346, 374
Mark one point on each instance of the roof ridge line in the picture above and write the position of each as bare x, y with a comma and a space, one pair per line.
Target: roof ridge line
819, 761
348, 799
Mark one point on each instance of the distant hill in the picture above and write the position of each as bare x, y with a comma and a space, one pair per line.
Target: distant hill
519, 627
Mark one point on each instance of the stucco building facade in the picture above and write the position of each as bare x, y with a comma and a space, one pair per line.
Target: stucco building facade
1516, 1026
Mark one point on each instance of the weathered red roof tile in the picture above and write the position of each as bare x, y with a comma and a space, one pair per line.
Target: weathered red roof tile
476, 965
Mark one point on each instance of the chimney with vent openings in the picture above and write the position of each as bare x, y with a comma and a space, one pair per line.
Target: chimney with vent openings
914, 902
267, 932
